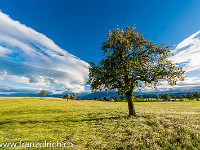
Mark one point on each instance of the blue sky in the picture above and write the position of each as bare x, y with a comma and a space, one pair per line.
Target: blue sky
74, 32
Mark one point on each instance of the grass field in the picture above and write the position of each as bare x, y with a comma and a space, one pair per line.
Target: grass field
101, 125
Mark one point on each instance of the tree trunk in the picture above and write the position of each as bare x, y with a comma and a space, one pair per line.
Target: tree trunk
131, 108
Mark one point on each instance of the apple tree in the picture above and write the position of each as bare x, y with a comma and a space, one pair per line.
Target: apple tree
130, 63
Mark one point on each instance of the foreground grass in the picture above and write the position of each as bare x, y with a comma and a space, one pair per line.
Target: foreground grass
101, 125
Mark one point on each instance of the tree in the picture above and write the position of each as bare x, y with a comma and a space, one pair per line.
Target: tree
100, 99
157, 97
117, 99
73, 96
184, 95
174, 97
189, 95
141, 97
197, 95
165, 97
42, 93
181, 97
130, 63
67, 96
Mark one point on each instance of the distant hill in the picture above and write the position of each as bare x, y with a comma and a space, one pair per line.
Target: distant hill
101, 94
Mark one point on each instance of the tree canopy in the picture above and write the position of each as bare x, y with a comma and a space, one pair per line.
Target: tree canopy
157, 97
165, 97
73, 96
189, 95
197, 95
42, 93
131, 62
66, 96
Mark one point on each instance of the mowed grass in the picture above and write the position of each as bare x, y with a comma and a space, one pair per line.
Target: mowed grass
101, 125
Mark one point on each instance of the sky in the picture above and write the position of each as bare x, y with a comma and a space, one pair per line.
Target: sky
49, 44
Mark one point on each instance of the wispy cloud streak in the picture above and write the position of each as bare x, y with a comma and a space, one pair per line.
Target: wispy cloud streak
30, 57
187, 53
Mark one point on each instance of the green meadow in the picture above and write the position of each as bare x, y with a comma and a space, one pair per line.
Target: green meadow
99, 124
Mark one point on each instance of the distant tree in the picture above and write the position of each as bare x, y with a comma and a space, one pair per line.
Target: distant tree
134, 98
66, 96
180, 97
157, 97
42, 93
184, 95
130, 62
174, 97
190, 95
165, 97
196, 95
100, 99
141, 97
117, 99
105, 98
73, 96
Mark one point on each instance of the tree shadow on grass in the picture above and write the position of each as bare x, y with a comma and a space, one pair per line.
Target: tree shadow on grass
61, 121
5, 122
97, 119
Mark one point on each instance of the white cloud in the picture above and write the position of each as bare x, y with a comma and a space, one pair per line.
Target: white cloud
30, 57
188, 52
12, 90
189, 82
186, 55
4, 51
13, 78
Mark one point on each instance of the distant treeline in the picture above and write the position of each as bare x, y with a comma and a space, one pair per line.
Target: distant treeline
163, 97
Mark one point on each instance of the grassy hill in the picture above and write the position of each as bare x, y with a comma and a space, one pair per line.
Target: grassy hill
100, 125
